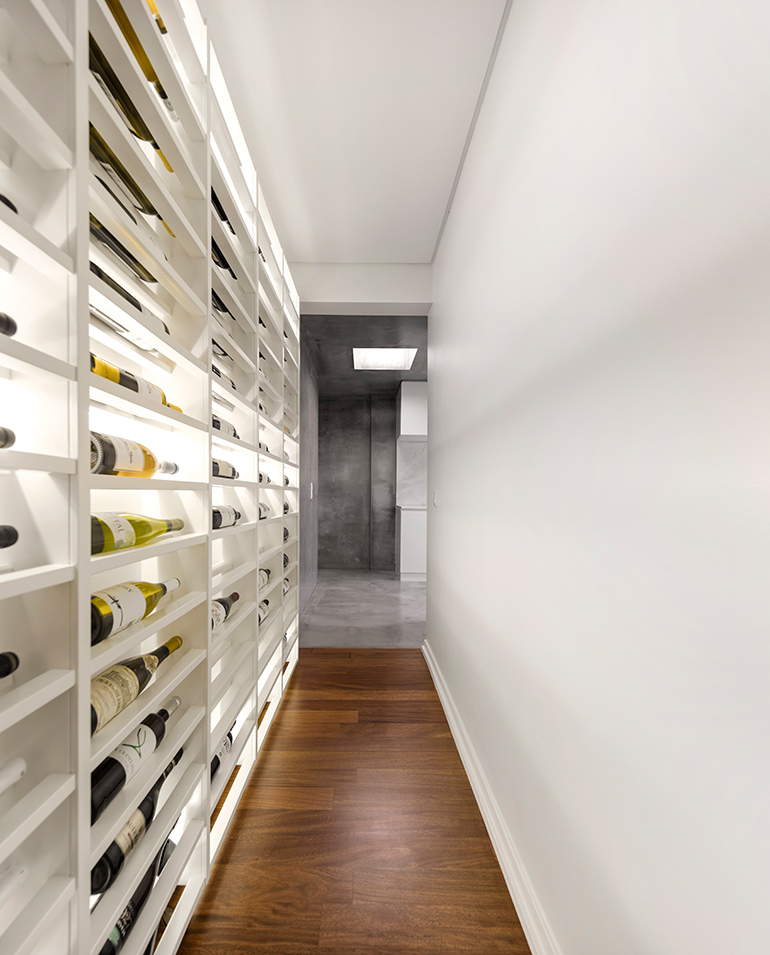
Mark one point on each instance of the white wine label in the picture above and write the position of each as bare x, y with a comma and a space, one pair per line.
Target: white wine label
129, 456
127, 603
122, 531
226, 428
218, 614
131, 833
135, 750
224, 748
228, 514
111, 692
151, 662
149, 390
225, 469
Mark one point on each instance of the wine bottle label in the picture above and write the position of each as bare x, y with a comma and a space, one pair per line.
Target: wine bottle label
135, 750
224, 748
228, 514
151, 661
149, 390
111, 692
122, 531
224, 469
129, 456
127, 603
131, 833
218, 614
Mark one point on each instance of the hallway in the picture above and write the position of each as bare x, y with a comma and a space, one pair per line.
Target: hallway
358, 832
361, 608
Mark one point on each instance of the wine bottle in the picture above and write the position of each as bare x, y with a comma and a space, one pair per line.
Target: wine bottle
108, 868
116, 93
128, 380
218, 350
263, 447
108, 240
120, 176
123, 763
7, 438
11, 772
7, 202
223, 377
286, 480
263, 609
99, 317
128, 917
109, 280
285, 507
264, 511
220, 261
118, 198
7, 325
9, 662
285, 561
118, 687
219, 305
142, 59
220, 211
286, 456
225, 516
265, 478
118, 456
112, 531
223, 469
262, 409
221, 751
224, 426
264, 577
11, 879
220, 609
286, 586
286, 534
120, 605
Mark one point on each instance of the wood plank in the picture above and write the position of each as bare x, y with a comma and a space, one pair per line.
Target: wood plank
358, 832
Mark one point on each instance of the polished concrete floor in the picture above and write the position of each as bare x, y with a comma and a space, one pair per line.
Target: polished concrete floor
359, 608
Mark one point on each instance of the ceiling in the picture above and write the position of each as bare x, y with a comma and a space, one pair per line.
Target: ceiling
329, 341
356, 114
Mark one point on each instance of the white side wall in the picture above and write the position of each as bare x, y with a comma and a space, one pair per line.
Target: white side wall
413, 409
600, 438
362, 289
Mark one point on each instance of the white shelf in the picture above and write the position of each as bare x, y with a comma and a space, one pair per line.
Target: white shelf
20, 702
30, 927
113, 482
234, 530
225, 581
30, 130
36, 22
24, 817
133, 555
21, 240
234, 621
20, 582
118, 398
26, 461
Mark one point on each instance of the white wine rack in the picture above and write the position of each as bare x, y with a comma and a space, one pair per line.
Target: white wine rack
53, 271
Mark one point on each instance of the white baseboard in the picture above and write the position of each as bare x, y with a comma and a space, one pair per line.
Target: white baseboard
413, 576
539, 935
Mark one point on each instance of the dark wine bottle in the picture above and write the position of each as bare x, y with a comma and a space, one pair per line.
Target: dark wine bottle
220, 211
7, 325
220, 609
108, 240
128, 917
219, 305
222, 750
225, 427
218, 350
220, 261
285, 507
108, 868
264, 511
8, 663
286, 480
118, 687
223, 469
263, 609
285, 561
7, 202
286, 585
109, 280
7, 438
224, 516
223, 377
8, 535
263, 576
263, 447
112, 774
286, 534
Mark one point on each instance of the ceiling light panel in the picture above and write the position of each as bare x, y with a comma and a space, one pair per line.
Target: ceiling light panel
383, 359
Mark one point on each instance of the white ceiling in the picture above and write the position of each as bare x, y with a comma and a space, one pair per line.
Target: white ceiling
356, 113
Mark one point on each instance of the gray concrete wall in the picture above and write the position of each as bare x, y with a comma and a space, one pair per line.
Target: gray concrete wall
357, 483
308, 472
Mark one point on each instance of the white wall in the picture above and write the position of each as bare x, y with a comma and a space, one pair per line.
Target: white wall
359, 289
599, 393
412, 404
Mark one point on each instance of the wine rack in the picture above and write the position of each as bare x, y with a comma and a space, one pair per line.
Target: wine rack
117, 133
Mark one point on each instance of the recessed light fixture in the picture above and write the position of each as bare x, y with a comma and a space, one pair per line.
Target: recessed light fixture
383, 359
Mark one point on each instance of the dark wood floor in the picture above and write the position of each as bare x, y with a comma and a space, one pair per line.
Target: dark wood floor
357, 833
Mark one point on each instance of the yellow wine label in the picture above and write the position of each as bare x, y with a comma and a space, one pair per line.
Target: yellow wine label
151, 662
131, 833
122, 532
111, 692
